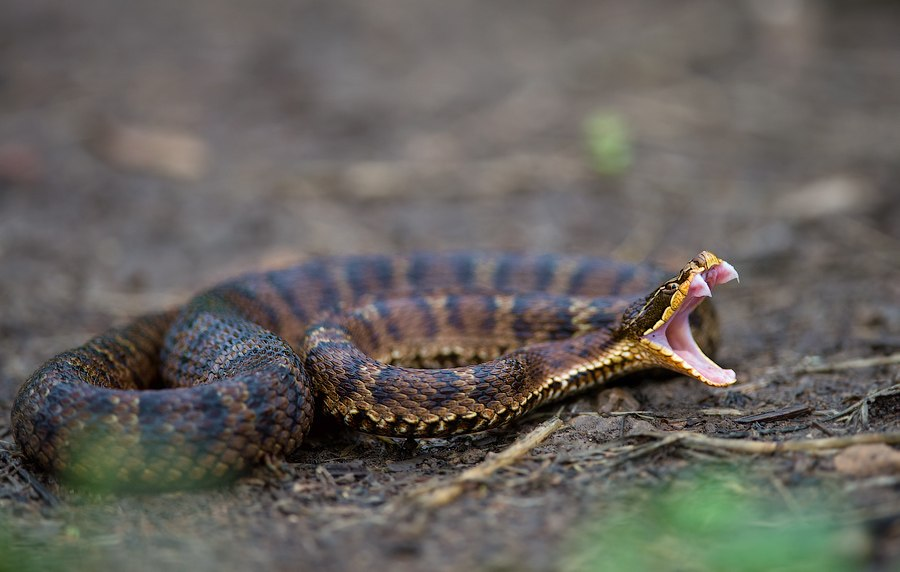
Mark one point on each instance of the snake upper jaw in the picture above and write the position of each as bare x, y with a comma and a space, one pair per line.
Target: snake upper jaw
670, 341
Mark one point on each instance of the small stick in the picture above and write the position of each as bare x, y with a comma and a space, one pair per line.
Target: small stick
40, 489
720, 412
766, 376
776, 415
849, 364
433, 495
862, 403
26, 476
666, 440
698, 440
822, 428
788, 429
635, 413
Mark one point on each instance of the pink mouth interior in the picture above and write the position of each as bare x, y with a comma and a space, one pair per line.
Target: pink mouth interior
676, 333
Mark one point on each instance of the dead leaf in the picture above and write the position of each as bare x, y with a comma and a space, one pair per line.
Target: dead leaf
868, 460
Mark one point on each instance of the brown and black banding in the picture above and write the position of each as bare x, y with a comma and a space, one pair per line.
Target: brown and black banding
203, 393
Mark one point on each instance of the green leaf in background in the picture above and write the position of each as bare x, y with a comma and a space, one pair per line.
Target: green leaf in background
609, 143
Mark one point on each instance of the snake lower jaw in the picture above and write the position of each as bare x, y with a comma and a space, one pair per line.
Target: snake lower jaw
672, 345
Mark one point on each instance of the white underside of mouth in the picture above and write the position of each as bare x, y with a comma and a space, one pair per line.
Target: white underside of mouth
674, 338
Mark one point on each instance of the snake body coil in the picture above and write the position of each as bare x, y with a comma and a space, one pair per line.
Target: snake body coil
202, 393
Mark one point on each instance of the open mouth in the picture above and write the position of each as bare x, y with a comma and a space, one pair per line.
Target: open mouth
672, 339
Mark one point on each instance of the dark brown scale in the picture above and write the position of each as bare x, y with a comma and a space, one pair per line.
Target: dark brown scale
202, 394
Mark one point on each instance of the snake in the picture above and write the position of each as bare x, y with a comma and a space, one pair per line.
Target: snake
413, 346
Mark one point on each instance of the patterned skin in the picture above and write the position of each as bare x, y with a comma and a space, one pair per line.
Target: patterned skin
424, 345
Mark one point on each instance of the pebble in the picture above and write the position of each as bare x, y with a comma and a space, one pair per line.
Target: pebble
596, 427
166, 153
640, 426
835, 195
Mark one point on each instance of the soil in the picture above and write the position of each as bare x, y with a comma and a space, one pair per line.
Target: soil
150, 149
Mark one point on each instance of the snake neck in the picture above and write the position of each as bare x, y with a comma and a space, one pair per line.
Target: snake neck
591, 360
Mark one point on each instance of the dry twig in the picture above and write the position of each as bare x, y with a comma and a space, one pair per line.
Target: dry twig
766, 376
700, 441
433, 495
776, 415
858, 363
862, 406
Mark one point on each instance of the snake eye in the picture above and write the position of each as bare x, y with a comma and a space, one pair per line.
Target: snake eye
670, 287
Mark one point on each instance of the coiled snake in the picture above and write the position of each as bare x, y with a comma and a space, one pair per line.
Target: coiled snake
201, 394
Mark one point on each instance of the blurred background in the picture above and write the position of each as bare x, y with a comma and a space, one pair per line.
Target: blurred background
149, 149
148, 146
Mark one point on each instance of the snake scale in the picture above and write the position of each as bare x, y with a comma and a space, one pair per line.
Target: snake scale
422, 345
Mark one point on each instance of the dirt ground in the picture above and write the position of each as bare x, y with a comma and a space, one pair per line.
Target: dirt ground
149, 149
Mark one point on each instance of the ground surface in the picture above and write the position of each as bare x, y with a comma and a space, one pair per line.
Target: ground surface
765, 131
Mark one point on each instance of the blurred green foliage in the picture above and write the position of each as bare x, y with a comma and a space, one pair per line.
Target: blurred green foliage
26, 553
715, 524
608, 142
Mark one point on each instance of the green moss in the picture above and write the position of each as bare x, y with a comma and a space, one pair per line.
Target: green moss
714, 524
30, 551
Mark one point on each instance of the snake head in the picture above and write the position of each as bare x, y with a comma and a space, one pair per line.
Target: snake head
660, 321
